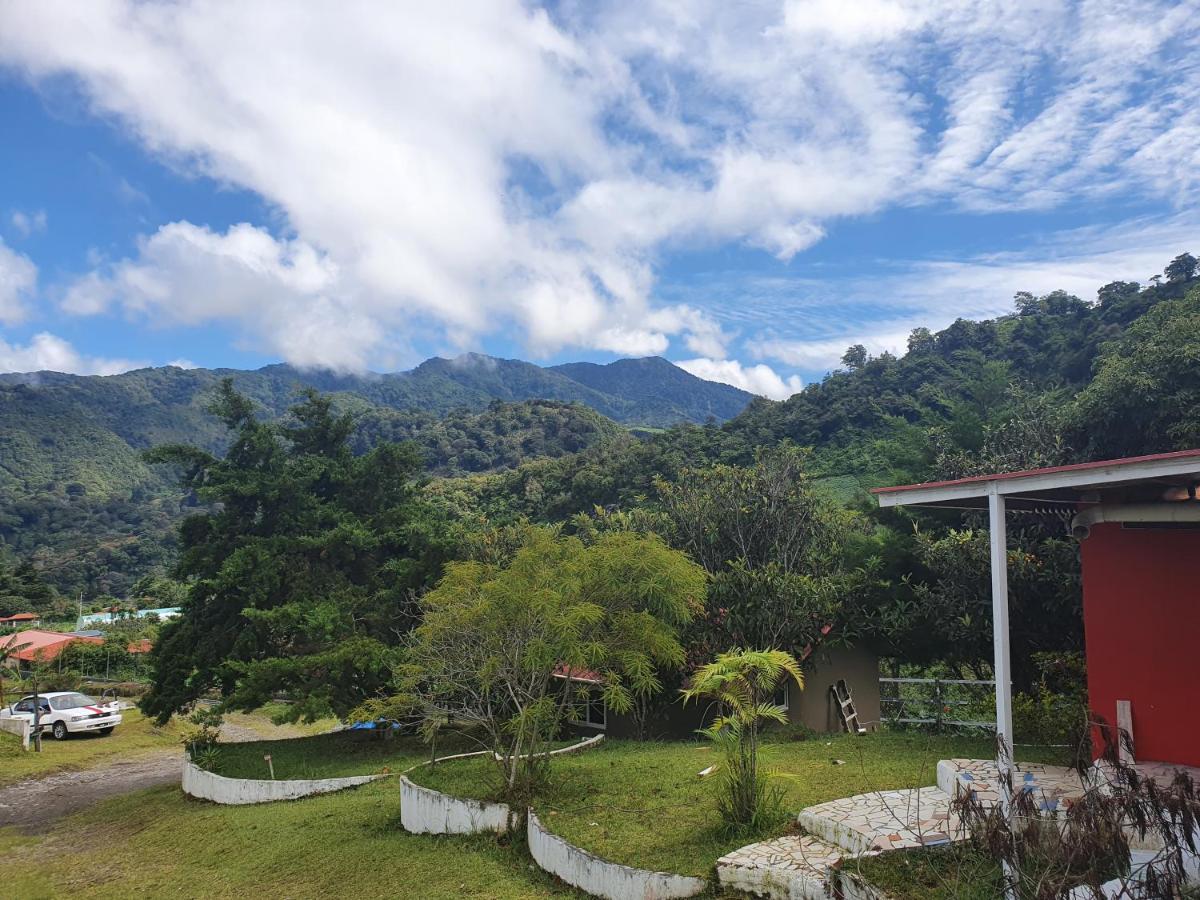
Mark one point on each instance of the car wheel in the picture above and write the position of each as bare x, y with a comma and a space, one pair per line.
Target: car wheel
60, 731
104, 732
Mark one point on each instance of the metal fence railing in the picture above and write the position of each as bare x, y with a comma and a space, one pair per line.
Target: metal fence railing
940, 702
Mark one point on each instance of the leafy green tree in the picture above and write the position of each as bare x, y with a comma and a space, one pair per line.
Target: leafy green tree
772, 546
855, 357
22, 589
302, 571
494, 640
1181, 268
946, 615
1145, 397
744, 683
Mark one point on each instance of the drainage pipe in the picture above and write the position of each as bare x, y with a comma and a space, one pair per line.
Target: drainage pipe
1081, 525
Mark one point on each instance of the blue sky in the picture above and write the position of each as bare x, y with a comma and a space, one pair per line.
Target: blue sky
744, 190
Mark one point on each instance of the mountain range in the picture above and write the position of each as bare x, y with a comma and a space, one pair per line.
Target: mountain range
58, 430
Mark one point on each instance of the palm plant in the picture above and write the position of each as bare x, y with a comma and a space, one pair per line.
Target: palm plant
744, 683
8, 650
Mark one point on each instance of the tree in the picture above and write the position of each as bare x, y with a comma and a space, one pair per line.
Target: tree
921, 340
855, 357
1145, 397
9, 648
1181, 268
302, 570
23, 590
497, 643
744, 683
772, 546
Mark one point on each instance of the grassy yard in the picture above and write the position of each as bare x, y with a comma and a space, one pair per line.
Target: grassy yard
159, 844
135, 736
942, 873
322, 756
262, 723
645, 805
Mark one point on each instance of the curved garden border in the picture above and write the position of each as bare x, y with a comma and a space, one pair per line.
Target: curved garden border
602, 878
426, 811
242, 791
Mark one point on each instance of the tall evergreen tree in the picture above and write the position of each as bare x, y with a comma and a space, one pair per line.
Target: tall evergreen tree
301, 571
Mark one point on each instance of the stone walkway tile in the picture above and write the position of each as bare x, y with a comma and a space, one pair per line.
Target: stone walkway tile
793, 867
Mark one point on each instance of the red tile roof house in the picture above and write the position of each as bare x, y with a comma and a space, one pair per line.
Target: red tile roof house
1138, 524
40, 646
21, 620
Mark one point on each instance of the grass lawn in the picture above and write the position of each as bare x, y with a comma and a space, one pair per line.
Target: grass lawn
942, 873
643, 804
159, 844
322, 756
135, 736
262, 722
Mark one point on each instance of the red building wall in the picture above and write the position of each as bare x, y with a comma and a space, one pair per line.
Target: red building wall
1141, 615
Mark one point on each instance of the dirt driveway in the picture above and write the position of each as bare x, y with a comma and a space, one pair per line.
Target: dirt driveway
35, 804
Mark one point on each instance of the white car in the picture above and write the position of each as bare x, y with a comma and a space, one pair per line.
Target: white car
67, 712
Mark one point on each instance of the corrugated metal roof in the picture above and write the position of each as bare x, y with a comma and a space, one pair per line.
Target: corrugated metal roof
1049, 470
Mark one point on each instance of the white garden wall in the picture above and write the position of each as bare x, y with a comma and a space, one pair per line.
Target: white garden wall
426, 811
19, 727
241, 791
600, 877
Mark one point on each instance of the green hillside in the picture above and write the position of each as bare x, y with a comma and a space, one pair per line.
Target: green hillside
77, 497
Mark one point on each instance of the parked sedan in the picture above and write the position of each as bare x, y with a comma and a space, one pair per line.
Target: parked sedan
67, 712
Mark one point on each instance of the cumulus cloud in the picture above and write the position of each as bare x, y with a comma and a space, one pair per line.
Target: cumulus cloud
463, 169
18, 276
759, 379
50, 353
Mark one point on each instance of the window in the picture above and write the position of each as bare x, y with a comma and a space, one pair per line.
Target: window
781, 696
25, 705
589, 709
71, 701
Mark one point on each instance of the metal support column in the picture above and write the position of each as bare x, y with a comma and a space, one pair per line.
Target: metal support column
1002, 654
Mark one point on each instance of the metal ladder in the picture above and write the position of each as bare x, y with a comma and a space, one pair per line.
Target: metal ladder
845, 705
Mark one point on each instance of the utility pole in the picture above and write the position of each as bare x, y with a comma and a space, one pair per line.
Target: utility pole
37, 707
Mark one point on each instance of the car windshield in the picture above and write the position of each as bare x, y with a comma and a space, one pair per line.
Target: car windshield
71, 701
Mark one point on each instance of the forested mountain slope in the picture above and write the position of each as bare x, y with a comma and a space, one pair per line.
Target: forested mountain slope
76, 494
1058, 380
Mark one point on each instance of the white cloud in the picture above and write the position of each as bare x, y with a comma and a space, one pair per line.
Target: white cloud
26, 224
879, 309
47, 352
456, 170
18, 276
759, 379
823, 355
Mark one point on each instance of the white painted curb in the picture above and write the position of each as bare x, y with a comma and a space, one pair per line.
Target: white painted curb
600, 877
426, 811
241, 791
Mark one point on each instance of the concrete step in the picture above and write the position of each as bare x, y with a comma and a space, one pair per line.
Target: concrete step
1054, 787
885, 820
793, 867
